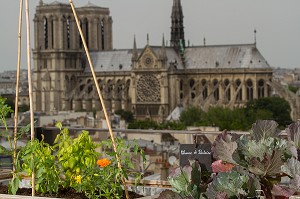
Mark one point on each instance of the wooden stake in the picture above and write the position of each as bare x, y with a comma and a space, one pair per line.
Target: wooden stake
17, 87
99, 94
30, 89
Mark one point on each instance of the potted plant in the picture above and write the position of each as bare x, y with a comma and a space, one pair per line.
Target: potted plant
76, 164
249, 165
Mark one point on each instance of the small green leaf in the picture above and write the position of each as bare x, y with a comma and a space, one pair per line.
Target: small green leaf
59, 125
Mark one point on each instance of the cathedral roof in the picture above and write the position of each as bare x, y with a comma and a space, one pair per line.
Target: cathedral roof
224, 56
120, 60
198, 57
109, 61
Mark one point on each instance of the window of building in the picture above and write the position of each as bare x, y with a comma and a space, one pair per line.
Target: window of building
90, 86
238, 90
192, 89
227, 90
181, 89
249, 90
102, 31
260, 88
204, 89
80, 40
52, 33
86, 31
45, 33
216, 89
68, 32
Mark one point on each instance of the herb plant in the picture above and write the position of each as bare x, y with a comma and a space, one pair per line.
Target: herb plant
74, 155
105, 177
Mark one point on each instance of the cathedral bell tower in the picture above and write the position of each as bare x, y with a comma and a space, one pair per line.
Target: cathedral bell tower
58, 51
177, 29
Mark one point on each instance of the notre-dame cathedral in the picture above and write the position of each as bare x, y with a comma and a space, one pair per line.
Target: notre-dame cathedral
150, 82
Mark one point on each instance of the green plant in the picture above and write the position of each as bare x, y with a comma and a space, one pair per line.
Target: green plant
74, 155
228, 184
126, 115
278, 107
105, 177
262, 153
292, 88
37, 156
4, 111
188, 181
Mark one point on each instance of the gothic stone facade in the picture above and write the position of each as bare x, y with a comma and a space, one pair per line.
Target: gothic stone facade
150, 82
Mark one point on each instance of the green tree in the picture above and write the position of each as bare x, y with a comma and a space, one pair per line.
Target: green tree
174, 125
126, 115
143, 124
292, 88
225, 118
191, 116
272, 108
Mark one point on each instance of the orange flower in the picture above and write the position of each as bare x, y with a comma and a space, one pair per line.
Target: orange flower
103, 162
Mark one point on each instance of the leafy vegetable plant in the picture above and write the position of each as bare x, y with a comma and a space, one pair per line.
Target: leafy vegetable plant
263, 154
188, 181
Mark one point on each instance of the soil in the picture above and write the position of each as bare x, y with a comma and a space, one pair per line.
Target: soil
65, 193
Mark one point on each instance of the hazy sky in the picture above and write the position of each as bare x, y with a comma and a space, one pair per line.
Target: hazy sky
220, 21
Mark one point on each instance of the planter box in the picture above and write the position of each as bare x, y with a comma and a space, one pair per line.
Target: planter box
6, 196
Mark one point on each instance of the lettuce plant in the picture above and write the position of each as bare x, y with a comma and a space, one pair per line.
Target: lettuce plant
188, 181
262, 153
228, 184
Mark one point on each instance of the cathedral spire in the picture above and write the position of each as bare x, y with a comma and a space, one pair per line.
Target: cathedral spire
177, 29
255, 37
163, 53
134, 50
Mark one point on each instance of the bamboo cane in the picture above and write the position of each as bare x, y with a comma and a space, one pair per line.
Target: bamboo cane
30, 88
17, 87
100, 96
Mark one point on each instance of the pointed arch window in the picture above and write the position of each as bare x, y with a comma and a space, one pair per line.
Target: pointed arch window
80, 40
249, 90
181, 89
238, 90
68, 26
86, 22
90, 86
261, 88
204, 89
192, 89
102, 33
82, 85
227, 96
45, 33
109, 88
52, 33
216, 89
119, 89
